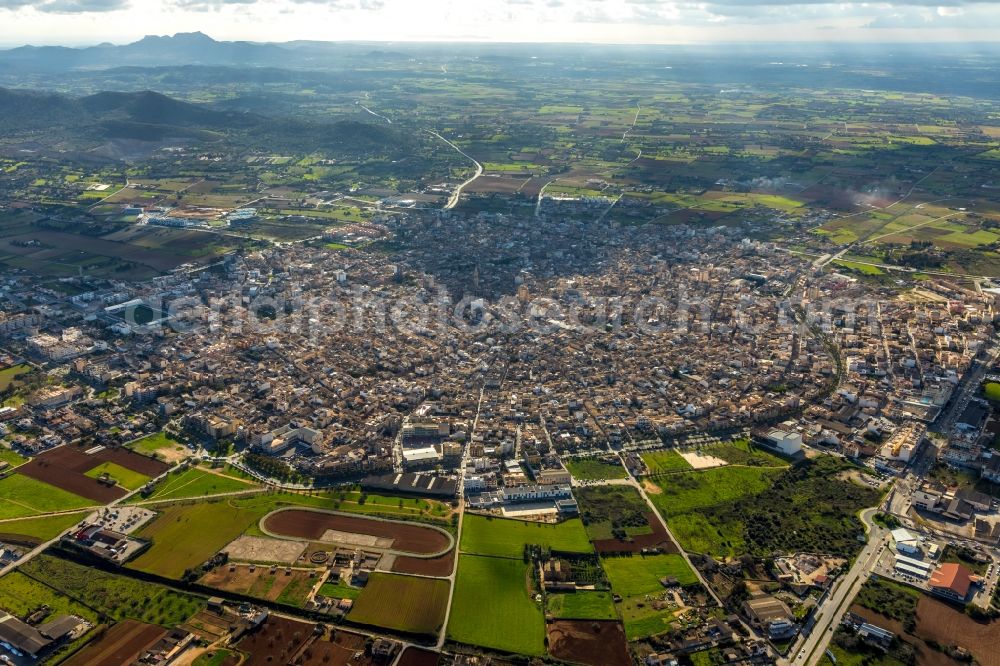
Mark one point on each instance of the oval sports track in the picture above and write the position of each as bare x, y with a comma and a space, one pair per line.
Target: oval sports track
312, 524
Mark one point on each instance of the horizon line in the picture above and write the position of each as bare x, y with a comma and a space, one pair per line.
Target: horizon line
812, 44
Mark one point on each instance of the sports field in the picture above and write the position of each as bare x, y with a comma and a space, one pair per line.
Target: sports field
493, 606
507, 538
403, 603
641, 574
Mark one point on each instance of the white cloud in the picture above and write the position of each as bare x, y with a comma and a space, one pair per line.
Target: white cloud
615, 21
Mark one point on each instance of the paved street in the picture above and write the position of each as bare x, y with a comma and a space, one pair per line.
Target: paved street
809, 649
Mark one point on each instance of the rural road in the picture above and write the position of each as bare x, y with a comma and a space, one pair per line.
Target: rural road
38, 550
443, 636
663, 523
453, 201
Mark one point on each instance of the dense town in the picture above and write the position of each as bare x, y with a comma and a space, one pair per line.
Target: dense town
303, 368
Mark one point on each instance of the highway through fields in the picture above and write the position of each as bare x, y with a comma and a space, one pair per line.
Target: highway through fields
377, 115
457, 194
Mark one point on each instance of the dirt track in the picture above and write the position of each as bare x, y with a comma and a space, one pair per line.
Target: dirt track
435, 566
312, 525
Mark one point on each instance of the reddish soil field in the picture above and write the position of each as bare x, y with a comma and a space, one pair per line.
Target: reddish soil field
260, 582
948, 626
311, 525
926, 655
435, 566
418, 657
277, 641
504, 184
337, 651
589, 642
532, 188
658, 539
119, 646
65, 466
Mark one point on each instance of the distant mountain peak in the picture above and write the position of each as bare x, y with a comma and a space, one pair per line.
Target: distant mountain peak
197, 37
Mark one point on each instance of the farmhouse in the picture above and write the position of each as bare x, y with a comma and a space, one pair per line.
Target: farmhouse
770, 614
35, 641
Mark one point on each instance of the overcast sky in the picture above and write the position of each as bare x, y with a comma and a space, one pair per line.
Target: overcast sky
80, 22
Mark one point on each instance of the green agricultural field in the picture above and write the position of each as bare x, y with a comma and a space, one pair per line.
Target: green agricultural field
339, 590
117, 596
196, 482
493, 606
8, 375
22, 496
712, 534
660, 462
687, 491
41, 529
805, 507
605, 510
296, 593
213, 658
403, 603
185, 536
641, 620
152, 444
12, 458
501, 537
125, 477
21, 594
595, 469
636, 575
581, 605
859, 268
